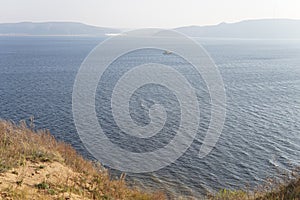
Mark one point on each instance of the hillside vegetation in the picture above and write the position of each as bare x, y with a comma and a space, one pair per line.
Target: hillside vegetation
33, 165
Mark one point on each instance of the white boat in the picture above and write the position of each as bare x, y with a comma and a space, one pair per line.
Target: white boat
167, 52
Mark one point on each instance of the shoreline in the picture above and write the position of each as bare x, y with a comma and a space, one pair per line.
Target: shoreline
34, 165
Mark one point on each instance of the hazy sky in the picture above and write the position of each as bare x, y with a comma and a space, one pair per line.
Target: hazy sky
146, 13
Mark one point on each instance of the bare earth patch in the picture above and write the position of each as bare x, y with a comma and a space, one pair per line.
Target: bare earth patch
37, 178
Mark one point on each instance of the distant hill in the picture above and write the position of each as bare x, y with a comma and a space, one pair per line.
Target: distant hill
262, 28
54, 28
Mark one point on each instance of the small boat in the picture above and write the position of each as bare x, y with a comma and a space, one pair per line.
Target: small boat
167, 52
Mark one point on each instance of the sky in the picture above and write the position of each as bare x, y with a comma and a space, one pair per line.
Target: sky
146, 13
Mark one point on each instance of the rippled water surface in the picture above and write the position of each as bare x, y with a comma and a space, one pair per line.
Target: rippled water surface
261, 132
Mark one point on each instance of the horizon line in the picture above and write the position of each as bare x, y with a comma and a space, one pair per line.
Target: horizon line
128, 28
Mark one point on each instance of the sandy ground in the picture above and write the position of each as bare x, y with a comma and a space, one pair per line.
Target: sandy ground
27, 177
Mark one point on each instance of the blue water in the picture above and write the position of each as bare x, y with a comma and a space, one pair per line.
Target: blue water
261, 131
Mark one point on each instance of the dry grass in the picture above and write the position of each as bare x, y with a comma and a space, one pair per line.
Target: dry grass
290, 191
27, 156
286, 189
33, 165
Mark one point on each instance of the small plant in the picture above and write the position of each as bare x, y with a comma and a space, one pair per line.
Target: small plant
51, 191
42, 186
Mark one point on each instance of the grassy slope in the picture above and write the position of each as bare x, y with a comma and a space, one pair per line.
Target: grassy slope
33, 165
290, 191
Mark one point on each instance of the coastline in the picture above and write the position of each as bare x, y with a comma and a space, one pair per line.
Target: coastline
34, 165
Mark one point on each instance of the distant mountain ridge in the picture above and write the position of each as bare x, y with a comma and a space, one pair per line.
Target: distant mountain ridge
261, 28
54, 28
